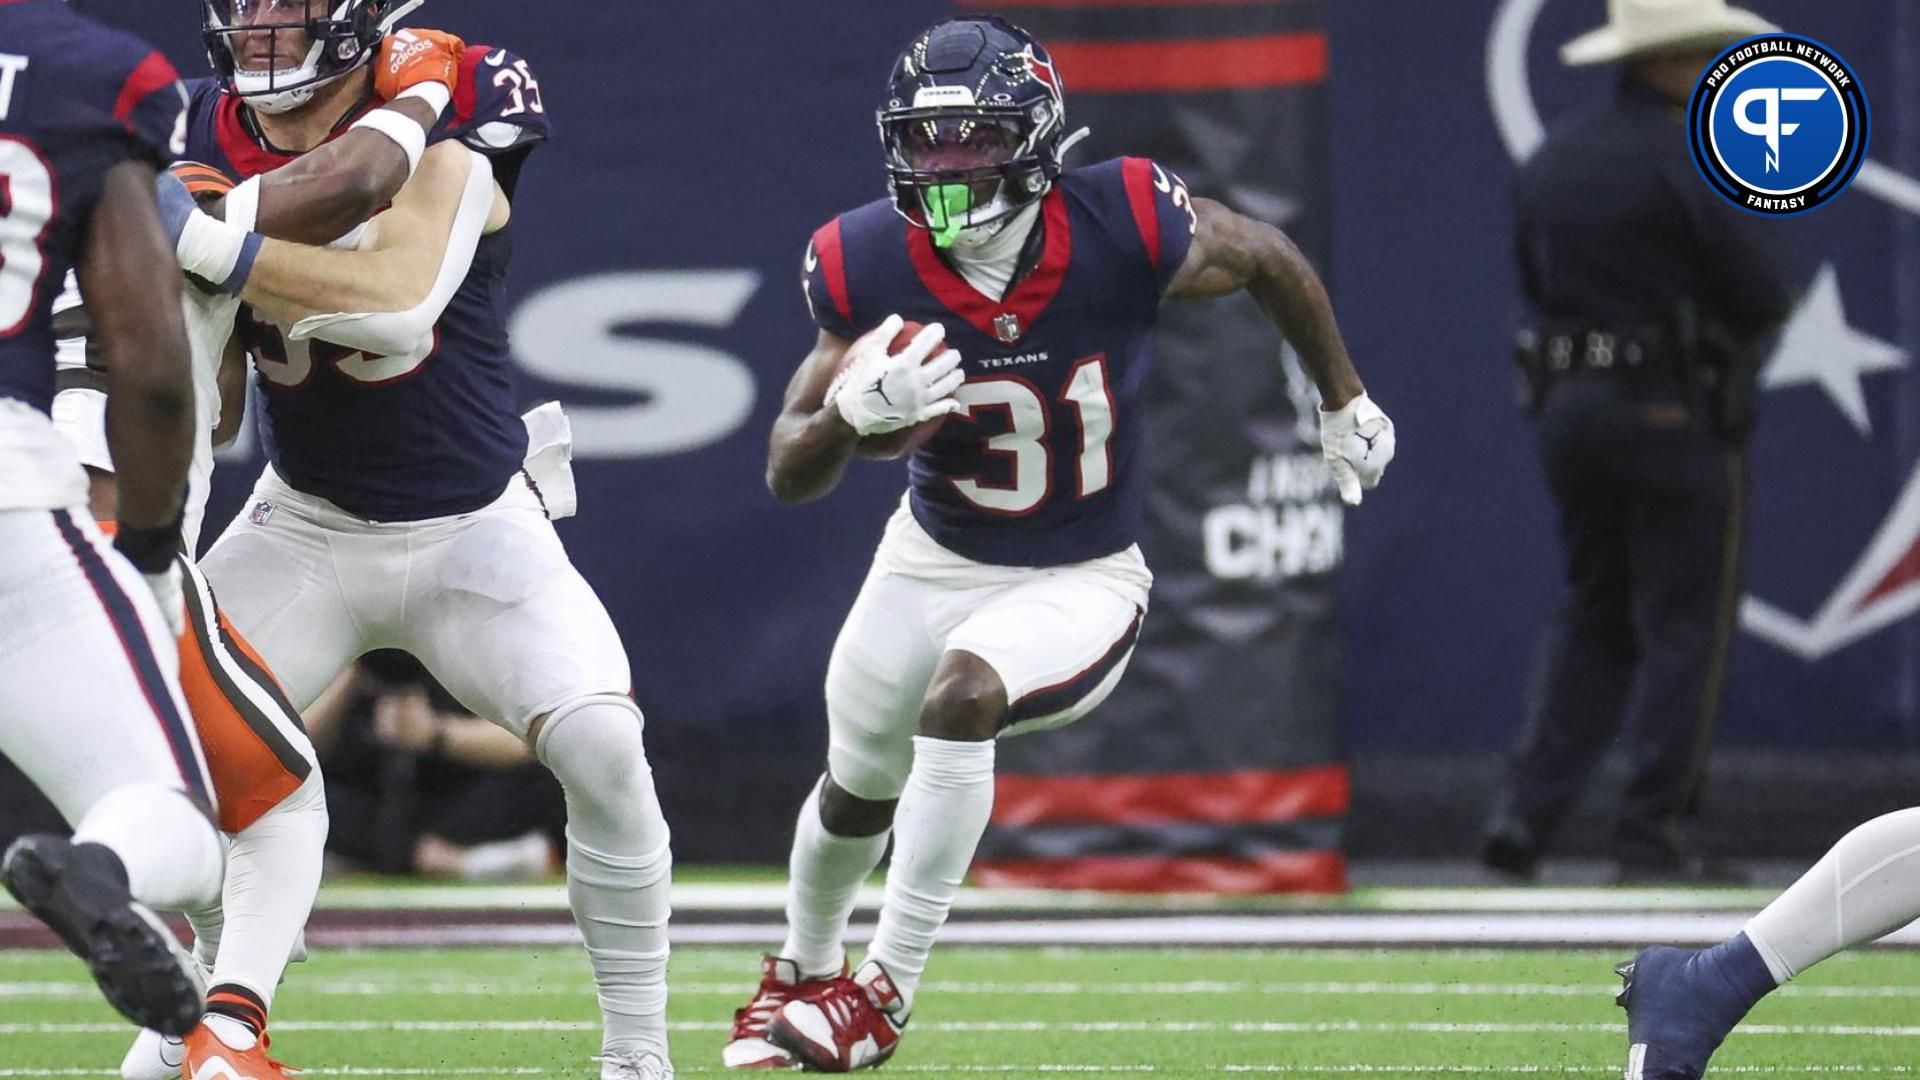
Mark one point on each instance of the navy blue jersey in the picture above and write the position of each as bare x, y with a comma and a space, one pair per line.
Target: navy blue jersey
1041, 470
76, 99
397, 438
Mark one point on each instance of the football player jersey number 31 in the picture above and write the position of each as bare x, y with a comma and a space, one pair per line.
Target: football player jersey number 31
1025, 442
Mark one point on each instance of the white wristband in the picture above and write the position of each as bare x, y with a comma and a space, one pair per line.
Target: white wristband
211, 248
242, 206
436, 96
407, 135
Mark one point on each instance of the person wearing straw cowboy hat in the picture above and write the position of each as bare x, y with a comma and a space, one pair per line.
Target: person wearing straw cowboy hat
1648, 296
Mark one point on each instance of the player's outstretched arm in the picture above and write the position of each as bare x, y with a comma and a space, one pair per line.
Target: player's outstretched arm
812, 442
330, 191
137, 323
426, 240
1232, 252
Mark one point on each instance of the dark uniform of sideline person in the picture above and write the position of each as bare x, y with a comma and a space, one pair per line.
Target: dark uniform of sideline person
1650, 295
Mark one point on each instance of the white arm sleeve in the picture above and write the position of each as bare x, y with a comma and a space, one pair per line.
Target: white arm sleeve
397, 333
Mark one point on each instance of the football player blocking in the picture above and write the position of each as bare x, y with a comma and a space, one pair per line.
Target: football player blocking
371, 529
262, 766
1008, 591
90, 705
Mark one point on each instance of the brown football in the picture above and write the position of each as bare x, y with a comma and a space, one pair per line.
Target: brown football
898, 444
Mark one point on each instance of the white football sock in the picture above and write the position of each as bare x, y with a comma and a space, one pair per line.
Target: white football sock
823, 877
208, 923
273, 872
619, 866
1866, 887
232, 1032
943, 812
172, 853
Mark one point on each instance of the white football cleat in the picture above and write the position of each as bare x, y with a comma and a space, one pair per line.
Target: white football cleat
637, 1065
850, 1024
153, 1056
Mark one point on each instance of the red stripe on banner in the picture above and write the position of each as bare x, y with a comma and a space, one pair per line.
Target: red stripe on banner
1137, 173
1231, 798
1116, 67
154, 73
1287, 871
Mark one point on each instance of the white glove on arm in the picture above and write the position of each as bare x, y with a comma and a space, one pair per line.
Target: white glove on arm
877, 392
170, 594
1357, 440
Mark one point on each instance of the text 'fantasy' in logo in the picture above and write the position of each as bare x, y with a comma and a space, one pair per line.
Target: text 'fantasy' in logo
1778, 124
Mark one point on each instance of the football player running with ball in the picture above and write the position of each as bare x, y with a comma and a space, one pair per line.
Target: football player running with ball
1008, 591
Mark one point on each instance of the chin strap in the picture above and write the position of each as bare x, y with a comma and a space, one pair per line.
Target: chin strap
1069, 142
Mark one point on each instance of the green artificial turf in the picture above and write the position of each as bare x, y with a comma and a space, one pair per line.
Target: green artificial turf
1019, 1012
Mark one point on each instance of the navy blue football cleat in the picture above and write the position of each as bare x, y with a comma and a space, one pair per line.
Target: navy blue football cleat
80, 892
1680, 1005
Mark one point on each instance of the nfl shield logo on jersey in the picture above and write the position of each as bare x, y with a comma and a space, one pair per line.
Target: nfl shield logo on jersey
1007, 327
261, 511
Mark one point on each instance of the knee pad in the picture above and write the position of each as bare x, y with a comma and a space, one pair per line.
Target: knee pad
593, 741
594, 747
867, 759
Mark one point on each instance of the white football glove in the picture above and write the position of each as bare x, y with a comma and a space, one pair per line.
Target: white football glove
1357, 440
172, 598
878, 392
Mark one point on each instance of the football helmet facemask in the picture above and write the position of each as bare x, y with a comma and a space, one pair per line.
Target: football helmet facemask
247, 39
974, 125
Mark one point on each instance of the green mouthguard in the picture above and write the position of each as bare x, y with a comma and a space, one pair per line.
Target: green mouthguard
947, 206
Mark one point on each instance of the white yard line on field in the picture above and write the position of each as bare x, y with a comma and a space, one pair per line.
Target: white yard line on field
1611, 929
62, 991
1063, 1067
1233, 1027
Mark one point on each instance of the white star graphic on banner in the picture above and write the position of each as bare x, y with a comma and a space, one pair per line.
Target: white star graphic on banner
1819, 347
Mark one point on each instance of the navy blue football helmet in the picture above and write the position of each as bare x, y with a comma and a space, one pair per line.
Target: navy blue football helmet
341, 35
974, 125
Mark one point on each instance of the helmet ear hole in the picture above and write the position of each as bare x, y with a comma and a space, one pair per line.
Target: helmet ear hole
366, 20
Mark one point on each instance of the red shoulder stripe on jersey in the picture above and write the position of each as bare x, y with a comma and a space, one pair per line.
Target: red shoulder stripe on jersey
833, 266
1027, 300
467, 98
1138, 174
153, 73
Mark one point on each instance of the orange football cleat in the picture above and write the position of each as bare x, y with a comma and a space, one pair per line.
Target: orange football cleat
208, 1058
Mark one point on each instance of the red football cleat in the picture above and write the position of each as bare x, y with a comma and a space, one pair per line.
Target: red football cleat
780, 982
850, 1024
